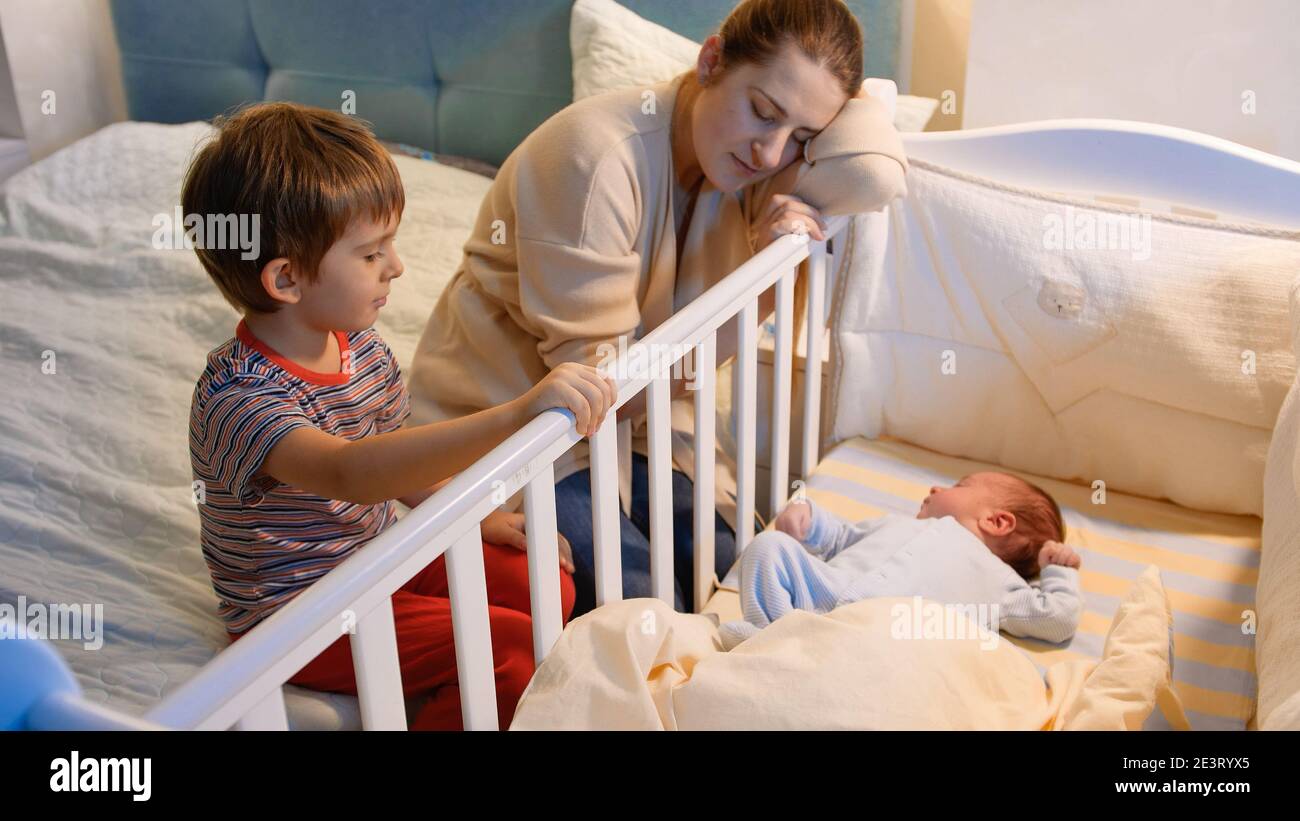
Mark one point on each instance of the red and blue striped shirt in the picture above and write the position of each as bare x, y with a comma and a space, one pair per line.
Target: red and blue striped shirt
265, 541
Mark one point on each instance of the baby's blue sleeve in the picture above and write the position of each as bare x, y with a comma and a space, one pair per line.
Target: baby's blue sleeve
829, 534
1050, 612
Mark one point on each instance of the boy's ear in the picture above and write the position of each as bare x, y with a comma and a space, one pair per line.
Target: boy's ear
280, 280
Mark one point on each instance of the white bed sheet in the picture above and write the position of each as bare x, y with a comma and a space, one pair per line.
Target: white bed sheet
95, 501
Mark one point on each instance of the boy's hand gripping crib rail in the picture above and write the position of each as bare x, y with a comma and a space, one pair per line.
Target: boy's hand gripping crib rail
242, 686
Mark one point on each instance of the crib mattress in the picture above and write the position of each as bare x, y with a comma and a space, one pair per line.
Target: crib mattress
1209, 563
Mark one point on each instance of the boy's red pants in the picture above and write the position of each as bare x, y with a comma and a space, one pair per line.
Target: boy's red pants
425, 648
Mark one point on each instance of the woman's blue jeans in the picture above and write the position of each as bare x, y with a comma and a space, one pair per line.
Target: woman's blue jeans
573, 516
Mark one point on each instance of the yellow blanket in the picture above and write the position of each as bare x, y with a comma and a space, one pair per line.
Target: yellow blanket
637, 665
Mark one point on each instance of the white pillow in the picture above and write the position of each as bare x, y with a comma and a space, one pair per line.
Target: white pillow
614, 48
912, 113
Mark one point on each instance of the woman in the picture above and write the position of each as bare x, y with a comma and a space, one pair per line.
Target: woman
624, 207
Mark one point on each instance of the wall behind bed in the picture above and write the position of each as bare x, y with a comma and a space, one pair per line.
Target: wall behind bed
470, 77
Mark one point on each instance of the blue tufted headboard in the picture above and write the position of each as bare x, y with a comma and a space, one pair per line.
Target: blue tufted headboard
467, 77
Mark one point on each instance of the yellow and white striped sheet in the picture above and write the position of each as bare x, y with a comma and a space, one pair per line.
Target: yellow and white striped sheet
1209, 563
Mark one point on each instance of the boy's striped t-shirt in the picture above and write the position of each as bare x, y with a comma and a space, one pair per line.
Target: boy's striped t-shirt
264, 542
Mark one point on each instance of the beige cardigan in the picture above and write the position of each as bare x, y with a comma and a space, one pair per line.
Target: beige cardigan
575, 246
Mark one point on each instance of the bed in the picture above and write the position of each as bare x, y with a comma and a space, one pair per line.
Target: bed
98, 506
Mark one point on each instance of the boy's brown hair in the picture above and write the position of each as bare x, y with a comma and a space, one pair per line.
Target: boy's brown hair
306, 172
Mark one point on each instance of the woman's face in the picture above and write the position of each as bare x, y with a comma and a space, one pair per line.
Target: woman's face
753, 122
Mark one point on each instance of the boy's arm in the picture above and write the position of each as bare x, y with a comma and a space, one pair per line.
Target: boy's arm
1051, 612
413, 500
402, 463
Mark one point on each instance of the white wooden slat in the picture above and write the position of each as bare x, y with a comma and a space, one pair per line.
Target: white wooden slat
543, 560
745, 397
781, 378
812, 381
378, 670
605, 511
471, 630
269, 714
735, 388
705, 421
661, 489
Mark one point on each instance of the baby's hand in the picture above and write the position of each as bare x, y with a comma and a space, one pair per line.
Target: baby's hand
795, 520
578, 388
1058, 553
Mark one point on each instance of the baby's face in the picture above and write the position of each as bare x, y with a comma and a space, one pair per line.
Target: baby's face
971, 502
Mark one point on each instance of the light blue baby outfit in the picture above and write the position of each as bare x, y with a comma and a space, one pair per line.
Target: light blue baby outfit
896, 555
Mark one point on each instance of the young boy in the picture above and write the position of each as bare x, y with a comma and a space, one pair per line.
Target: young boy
295, 424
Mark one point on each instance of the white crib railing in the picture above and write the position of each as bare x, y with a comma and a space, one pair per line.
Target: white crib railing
242, 687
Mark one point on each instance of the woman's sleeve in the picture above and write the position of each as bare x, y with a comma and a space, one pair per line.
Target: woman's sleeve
855, 165
579, 270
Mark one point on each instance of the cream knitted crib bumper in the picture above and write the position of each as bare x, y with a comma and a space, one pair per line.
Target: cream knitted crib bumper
1068, 338
1277, 646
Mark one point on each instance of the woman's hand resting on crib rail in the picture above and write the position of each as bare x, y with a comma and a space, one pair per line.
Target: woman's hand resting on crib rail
786, 214
1058, 553
501, 527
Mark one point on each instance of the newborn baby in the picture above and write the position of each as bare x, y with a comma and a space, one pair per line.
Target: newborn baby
975, 543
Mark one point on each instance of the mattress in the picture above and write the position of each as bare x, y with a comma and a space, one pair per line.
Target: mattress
1209, 563
95, 498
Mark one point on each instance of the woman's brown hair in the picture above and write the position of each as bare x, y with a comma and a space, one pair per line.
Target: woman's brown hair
757, 31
